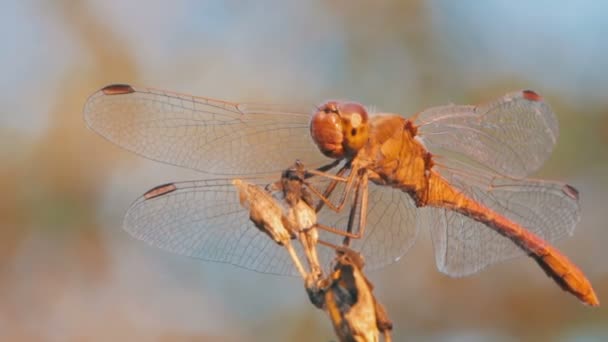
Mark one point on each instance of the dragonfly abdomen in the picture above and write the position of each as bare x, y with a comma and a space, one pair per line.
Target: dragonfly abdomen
555, 264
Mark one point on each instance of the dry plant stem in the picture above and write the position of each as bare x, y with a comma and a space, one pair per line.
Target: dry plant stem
346, 295
267, 215
308, 238
296, 260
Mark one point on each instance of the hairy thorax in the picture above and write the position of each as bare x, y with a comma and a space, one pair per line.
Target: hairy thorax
395, 157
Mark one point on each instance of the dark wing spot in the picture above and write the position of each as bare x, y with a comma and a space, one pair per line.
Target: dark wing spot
117, 89
571, 192
531, 95
353, 131
160, 190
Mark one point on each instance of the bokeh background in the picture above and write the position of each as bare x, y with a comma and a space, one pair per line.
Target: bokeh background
69, 273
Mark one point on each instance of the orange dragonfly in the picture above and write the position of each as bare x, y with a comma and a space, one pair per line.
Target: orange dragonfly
459, 170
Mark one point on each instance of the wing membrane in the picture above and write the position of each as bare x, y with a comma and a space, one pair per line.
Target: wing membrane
391, 225
512, 136
204, 219
213, 136
464, 246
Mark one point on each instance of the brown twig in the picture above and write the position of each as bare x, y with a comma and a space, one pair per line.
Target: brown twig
345, 293
347, 296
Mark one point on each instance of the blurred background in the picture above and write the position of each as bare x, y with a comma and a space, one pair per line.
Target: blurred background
68, 272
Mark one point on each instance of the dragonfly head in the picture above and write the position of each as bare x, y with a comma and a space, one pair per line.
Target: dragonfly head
340, 129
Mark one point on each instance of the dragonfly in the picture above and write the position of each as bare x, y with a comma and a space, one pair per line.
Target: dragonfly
461, 171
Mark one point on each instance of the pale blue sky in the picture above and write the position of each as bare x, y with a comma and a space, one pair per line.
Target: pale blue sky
561, 48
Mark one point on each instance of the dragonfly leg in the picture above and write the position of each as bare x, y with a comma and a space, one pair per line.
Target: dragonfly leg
330, 188
353, 213
364, 202
337, 177
328, 244
361, 202
336, 231
323, 197
329, 166
350, 181
364, 188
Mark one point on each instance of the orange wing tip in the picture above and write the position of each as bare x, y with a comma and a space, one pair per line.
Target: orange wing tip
160, 191
117, 89
531, 95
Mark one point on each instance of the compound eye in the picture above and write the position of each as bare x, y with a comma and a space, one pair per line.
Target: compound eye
326, 130
329, 108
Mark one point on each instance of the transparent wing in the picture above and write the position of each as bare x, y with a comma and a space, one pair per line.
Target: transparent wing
391, 227
512, 136
208, 135
204, 219
464, 246
390, 231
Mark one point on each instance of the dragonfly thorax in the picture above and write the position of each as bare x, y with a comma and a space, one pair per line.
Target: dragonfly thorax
340, 129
